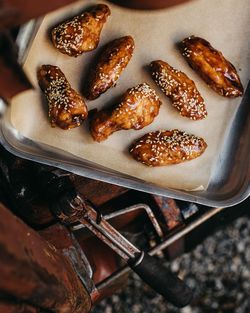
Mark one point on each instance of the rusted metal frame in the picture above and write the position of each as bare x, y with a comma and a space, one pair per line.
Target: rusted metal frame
98, 192
170, 211
64, 240
88, 268
160, 247
139, 206
34, 272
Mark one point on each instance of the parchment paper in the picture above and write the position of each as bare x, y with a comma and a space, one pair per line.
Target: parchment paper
224, 23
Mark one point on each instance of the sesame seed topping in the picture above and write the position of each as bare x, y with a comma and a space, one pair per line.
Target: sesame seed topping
61, 99
167, 147
110, 65
136, 106
143, 91
68, 36
180, 89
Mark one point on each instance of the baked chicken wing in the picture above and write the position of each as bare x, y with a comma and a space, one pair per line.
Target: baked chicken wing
137, 109
212, 66
67, 108
81, 33
165, 147
180, 89
111, 63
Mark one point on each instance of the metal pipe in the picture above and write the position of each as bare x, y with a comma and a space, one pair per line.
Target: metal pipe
185, 231
111, 241
135, 207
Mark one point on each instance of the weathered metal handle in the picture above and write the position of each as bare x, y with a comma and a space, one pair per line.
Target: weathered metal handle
163, 281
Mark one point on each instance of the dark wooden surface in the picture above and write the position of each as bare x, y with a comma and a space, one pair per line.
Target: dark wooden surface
11, 307
16, 12
12, 78
33, 270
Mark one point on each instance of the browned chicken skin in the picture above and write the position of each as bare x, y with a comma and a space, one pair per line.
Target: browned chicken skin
165, 147
180, 89
137, 109
81, 33
67, 108
212, 66
111, 63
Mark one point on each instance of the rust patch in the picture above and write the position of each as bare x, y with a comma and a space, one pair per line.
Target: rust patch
170, 211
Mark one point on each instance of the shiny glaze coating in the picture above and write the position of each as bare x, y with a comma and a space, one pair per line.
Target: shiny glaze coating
180, 89
67, 108
137, 109
165, 147
112, 61
81, 33
212, 66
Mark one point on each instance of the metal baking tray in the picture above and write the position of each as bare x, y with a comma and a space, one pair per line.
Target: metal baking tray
229, 183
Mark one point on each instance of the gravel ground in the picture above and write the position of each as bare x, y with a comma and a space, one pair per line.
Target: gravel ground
218, 270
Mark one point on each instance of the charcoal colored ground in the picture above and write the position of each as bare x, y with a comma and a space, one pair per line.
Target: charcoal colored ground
218, 270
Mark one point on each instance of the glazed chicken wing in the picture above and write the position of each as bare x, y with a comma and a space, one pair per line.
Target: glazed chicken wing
81, 33
165, 147
137, 109
111, 63
212, 66
67, 108
180, 89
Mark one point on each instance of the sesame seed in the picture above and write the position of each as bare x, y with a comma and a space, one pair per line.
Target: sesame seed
176, 146
68, 36
180, 89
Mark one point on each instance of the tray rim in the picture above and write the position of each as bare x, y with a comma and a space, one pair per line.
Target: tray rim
105, 174
8, 133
